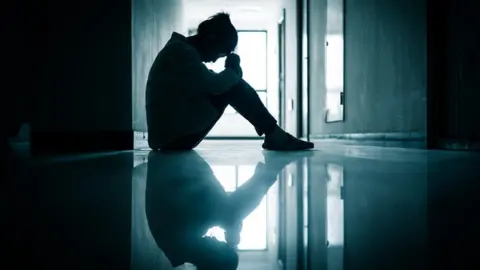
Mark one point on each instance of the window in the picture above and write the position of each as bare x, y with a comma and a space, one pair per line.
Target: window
252, 49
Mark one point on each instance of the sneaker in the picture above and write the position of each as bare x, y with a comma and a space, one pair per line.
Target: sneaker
286, 142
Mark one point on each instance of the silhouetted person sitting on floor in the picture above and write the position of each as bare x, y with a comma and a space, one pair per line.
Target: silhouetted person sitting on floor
184, 99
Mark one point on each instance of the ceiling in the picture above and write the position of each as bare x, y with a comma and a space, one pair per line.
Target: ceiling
244, 13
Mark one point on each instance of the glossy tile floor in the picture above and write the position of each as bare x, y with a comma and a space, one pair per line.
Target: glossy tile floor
337, 207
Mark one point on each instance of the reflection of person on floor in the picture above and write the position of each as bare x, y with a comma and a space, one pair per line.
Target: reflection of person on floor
184, 99
184, 200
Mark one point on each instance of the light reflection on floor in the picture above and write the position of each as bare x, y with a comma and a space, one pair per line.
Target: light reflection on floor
379, 208
254, 232
335, 216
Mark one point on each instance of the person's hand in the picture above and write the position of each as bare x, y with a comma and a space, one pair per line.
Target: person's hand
233, 62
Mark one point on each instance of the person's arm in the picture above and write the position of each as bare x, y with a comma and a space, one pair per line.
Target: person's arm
195, 75
233, 62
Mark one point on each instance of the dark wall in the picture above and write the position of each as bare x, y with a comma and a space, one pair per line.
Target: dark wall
82, 98
153, 22
454, 71
385, 67
17, 76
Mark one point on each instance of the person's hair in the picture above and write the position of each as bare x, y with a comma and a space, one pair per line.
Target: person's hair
221, 26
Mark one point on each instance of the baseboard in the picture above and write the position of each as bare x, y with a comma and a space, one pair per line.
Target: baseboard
402, 139
460, 145
390, 139
80, 142
386, 136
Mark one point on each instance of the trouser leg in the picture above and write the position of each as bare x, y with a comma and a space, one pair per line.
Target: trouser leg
245, 100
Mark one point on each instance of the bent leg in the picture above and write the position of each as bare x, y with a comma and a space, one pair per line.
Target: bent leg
245, 100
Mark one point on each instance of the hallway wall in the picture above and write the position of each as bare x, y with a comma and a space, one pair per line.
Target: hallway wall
17, 52
385, 67
454, 72
153, 22
82, 94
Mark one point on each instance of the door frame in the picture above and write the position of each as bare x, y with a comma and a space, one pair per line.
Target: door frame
303, 87
282, 104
